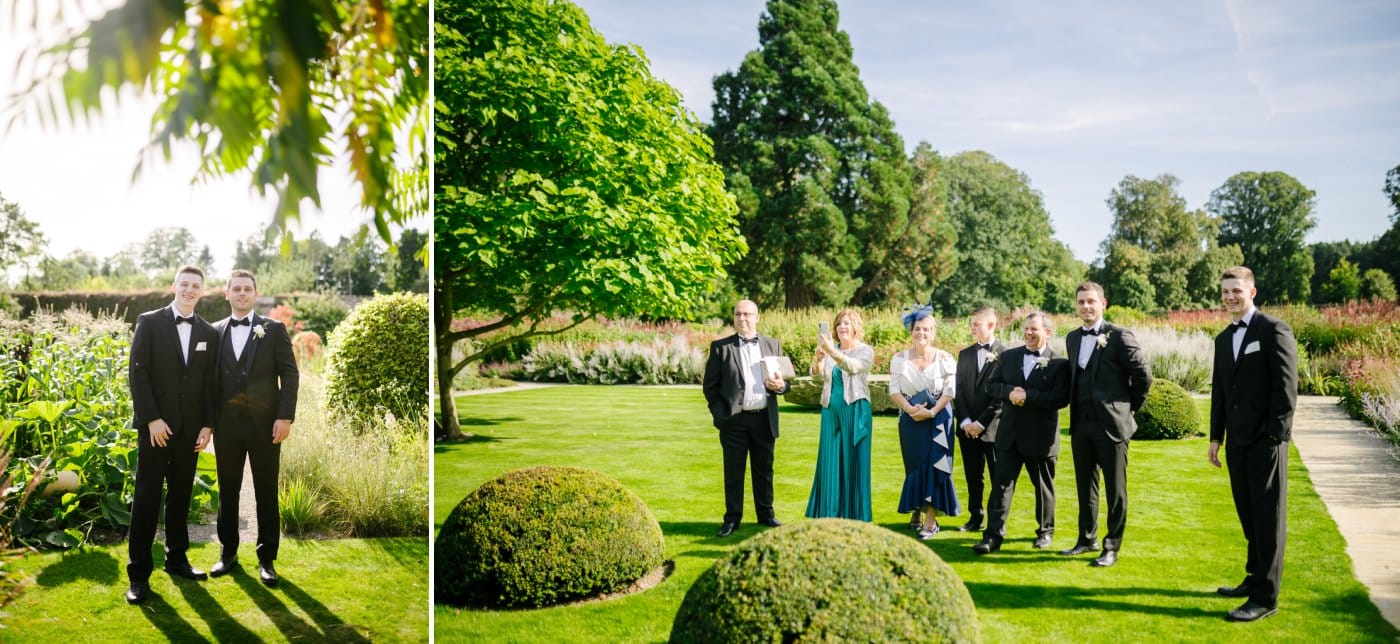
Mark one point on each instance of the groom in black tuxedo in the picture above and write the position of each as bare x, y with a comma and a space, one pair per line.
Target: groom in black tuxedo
1109, 379
1253, 393
170, 372
977, 412
744, 408
257, 401
1032, 385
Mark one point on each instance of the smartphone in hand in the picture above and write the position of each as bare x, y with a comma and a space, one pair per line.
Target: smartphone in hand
824, 327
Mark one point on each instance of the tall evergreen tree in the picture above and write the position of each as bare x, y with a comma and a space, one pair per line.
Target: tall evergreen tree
816, 166
1269, 214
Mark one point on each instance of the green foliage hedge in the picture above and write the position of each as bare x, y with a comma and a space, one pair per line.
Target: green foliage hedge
828, 580
1168, 413
321, 312
543, 536
378, 358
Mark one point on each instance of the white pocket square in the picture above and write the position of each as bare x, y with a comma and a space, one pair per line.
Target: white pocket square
1251, 347
200, 346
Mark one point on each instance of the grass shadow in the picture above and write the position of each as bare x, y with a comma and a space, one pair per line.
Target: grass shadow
444, 446
1022, 596
168, 621
403, 550
326, 626
95, 565
222, 625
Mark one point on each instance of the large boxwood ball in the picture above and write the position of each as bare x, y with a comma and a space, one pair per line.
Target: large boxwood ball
1168, 413
828, 579
378, 358
543, 536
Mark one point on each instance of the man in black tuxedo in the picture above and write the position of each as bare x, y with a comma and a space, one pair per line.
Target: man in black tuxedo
257, 402
1109, 379
170, 373
977, 412
744, 408
1031, 386
1253, 392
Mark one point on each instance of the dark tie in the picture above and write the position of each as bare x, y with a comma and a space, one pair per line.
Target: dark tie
985, 347
753, 340
1093, 331
1035, 353
189, 320
1238, 325
243, 322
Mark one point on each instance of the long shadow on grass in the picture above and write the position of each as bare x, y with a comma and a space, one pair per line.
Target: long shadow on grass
96, 565
1205, 603
404, 550
169, 622
327, 627
445, 446
222, 625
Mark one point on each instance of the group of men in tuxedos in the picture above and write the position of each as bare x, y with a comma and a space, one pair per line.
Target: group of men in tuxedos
1008, 401
233, 383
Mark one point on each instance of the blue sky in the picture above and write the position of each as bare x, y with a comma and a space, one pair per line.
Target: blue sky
1078, 95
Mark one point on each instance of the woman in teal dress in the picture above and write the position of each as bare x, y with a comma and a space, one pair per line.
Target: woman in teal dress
841, 486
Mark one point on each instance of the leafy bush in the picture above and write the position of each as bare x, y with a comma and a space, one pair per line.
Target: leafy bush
1371, 392
378, 358
365, 476
1181, 357
828, 580
1168, 413
542, 536
657, 363
320, 312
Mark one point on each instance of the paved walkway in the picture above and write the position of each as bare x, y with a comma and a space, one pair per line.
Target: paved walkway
1359, 480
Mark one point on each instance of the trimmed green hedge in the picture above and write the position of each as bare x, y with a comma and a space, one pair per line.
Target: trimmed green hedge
542, 536
828, 580
1168, 413
378, 357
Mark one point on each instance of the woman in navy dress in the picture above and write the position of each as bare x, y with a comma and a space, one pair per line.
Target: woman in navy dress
922, 381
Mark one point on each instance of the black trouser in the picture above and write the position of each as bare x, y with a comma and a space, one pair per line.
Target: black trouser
747, 437
1259, 483
235, 443
978, 457
1093, 452
172, 466
1008, 469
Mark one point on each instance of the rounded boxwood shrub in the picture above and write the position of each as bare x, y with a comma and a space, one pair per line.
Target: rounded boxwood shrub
542, 536
1168, 413
378, 358
828, 580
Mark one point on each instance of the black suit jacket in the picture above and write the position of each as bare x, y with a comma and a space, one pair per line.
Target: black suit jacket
971, 399
163, 385
1032, 429
263, 380
1254, 396
724, 380
1119, 378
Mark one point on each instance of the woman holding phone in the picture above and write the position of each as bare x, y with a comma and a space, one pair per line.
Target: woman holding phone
922, 381
841, 486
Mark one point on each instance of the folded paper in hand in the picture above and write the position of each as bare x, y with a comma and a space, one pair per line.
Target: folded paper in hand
777, 364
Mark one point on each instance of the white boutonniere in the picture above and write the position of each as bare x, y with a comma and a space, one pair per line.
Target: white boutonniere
259, 331
1102, 340
1042, 361
991, 357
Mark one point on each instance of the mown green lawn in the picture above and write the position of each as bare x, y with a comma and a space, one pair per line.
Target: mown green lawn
342, 590
1183, 539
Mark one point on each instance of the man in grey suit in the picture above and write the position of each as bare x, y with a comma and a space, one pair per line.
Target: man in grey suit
744, 408
1253, 393
1109, 379
1032, 385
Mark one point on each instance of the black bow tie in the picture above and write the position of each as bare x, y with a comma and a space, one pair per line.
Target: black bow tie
985, 347
243, 322
753, 340
1238, 325
1035, 353
1093, 331
189, 320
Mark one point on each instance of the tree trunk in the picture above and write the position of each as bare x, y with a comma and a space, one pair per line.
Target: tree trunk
443, 324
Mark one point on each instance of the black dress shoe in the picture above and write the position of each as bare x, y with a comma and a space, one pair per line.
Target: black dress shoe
267, 573
187, 571
973, 525
1080, 549
772, 522
137, 592
987, 546
222, 567
1241, 590
1108, 558
1042, 542
1249, 612
726, 529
